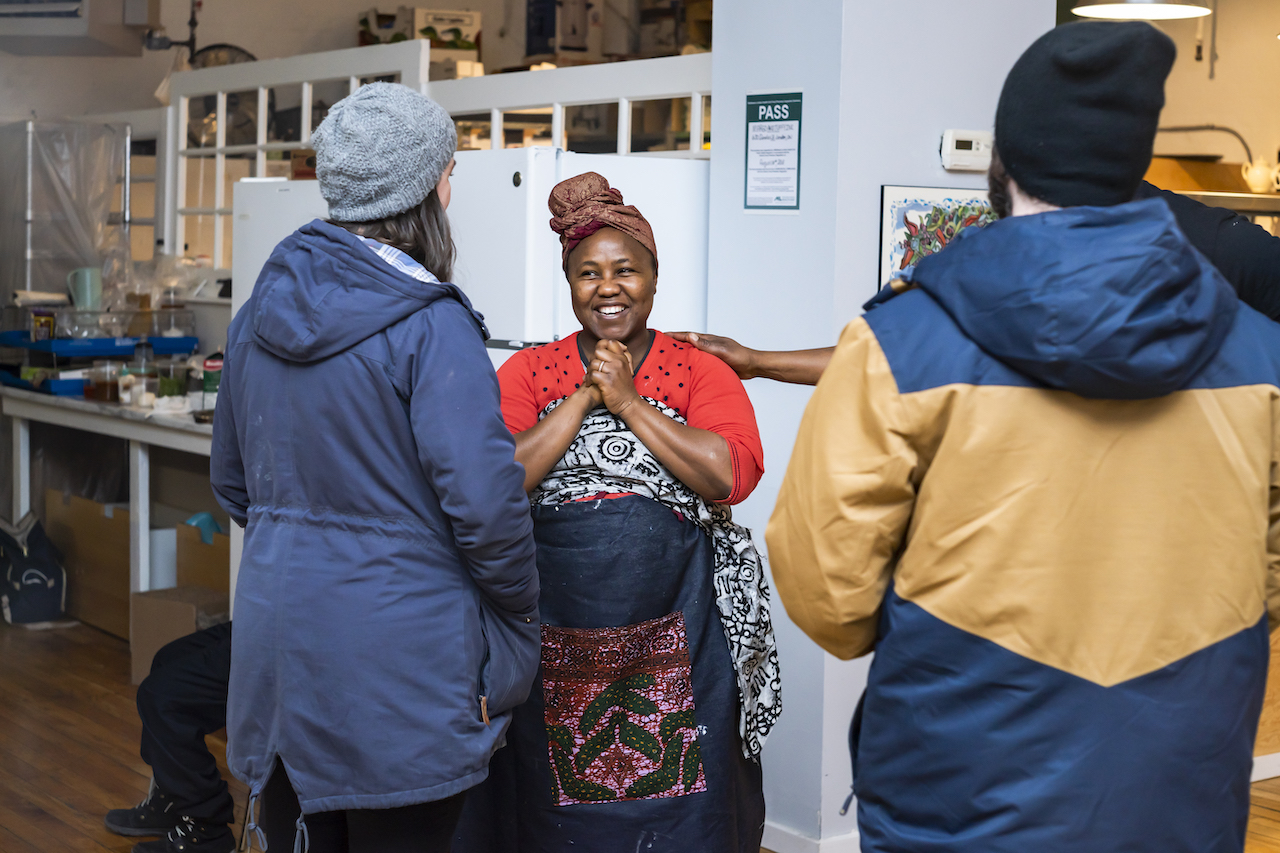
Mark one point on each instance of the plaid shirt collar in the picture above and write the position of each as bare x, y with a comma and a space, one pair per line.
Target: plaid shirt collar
400, 260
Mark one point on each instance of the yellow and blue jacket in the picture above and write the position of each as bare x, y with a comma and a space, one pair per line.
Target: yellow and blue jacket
1043, 485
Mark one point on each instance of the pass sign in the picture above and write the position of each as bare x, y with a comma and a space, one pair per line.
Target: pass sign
773, 152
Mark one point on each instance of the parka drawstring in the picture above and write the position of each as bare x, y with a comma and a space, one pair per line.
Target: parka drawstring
251, 822
301, 838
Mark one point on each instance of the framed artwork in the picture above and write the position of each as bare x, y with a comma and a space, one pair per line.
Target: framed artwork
918, 221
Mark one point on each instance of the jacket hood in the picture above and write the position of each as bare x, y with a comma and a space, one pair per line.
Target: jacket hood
323, 291
1105, 302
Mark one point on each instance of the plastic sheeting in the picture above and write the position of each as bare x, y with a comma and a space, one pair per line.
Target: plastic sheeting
72, 170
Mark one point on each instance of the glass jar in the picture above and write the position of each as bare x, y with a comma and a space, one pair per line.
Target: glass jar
173, 323
144, 360
76, 324
100, 385
114, 324
172, 376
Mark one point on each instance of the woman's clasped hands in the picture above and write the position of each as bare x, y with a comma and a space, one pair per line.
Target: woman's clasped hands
611, 377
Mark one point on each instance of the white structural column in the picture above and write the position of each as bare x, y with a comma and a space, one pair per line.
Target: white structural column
139, 517
21, 468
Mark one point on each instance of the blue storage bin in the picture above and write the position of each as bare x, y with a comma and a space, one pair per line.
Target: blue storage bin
64, 387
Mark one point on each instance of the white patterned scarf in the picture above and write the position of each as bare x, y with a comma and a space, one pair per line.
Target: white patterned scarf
606, 457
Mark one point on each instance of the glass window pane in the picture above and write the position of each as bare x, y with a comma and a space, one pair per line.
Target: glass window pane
381, 78
591, 128
238, 166
200, 179
324, 94
142, 199
474, 132
202, 121
284, 114
143, 165
660, 125
242, 117
142, 242
279, 164
197, 238
302, 164
706, 122
226, 243
527, 128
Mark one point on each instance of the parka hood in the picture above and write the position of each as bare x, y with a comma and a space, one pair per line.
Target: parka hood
323, 291
1105, 302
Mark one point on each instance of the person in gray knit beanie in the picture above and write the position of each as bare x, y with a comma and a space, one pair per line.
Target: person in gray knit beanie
384, 155
381, 151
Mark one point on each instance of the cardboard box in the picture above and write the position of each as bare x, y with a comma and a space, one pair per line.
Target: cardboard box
445, 28
303, 164
163, 615
94, 541
201, 565
454, 64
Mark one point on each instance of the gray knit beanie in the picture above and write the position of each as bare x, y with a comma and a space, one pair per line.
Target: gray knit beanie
381, 151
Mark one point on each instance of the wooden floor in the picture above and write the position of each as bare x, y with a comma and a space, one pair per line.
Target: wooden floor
69, 741
69, 746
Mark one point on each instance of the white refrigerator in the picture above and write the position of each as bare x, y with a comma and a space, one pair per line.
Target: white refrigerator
508, 257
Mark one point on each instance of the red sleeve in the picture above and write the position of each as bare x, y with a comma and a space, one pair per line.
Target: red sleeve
519, 405
719, 403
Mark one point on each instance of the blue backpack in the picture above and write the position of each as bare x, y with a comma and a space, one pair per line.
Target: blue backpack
35, 584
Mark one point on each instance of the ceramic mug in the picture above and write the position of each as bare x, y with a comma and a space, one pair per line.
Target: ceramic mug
1261, 176
85, 285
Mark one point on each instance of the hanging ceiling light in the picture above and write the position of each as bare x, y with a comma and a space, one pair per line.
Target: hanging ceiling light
1142, 10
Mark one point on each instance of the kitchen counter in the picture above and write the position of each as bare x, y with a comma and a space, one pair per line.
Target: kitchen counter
140, 427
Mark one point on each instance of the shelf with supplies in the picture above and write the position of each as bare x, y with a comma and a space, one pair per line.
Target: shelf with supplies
97, 347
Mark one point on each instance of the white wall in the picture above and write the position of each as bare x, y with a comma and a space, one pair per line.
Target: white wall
771, 284
1242, 95
873, 114
269, 29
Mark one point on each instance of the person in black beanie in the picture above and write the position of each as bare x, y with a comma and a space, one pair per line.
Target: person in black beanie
1038, 482
1076, 121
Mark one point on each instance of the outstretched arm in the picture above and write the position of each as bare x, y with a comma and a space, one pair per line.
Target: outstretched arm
799, 367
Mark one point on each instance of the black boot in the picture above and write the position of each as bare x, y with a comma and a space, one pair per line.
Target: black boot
190, 836
155, 815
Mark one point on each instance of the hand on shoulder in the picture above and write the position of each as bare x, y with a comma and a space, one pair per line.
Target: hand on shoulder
741, 359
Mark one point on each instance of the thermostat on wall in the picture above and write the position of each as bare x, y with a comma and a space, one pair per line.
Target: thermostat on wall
967, 150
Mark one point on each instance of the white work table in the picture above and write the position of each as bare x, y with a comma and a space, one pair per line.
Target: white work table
139, 427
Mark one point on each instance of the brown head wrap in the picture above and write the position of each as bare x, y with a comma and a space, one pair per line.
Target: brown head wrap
583, 205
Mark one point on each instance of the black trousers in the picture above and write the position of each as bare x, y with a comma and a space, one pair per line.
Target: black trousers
422, 828
182, 700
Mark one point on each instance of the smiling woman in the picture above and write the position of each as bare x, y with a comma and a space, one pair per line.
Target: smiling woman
644, 730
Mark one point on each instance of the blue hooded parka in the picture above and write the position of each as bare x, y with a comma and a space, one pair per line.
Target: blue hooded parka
386, 605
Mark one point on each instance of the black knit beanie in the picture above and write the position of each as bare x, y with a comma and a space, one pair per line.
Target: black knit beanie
1077, 118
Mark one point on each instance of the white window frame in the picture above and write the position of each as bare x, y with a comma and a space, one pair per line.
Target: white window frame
675, 77
410, 60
